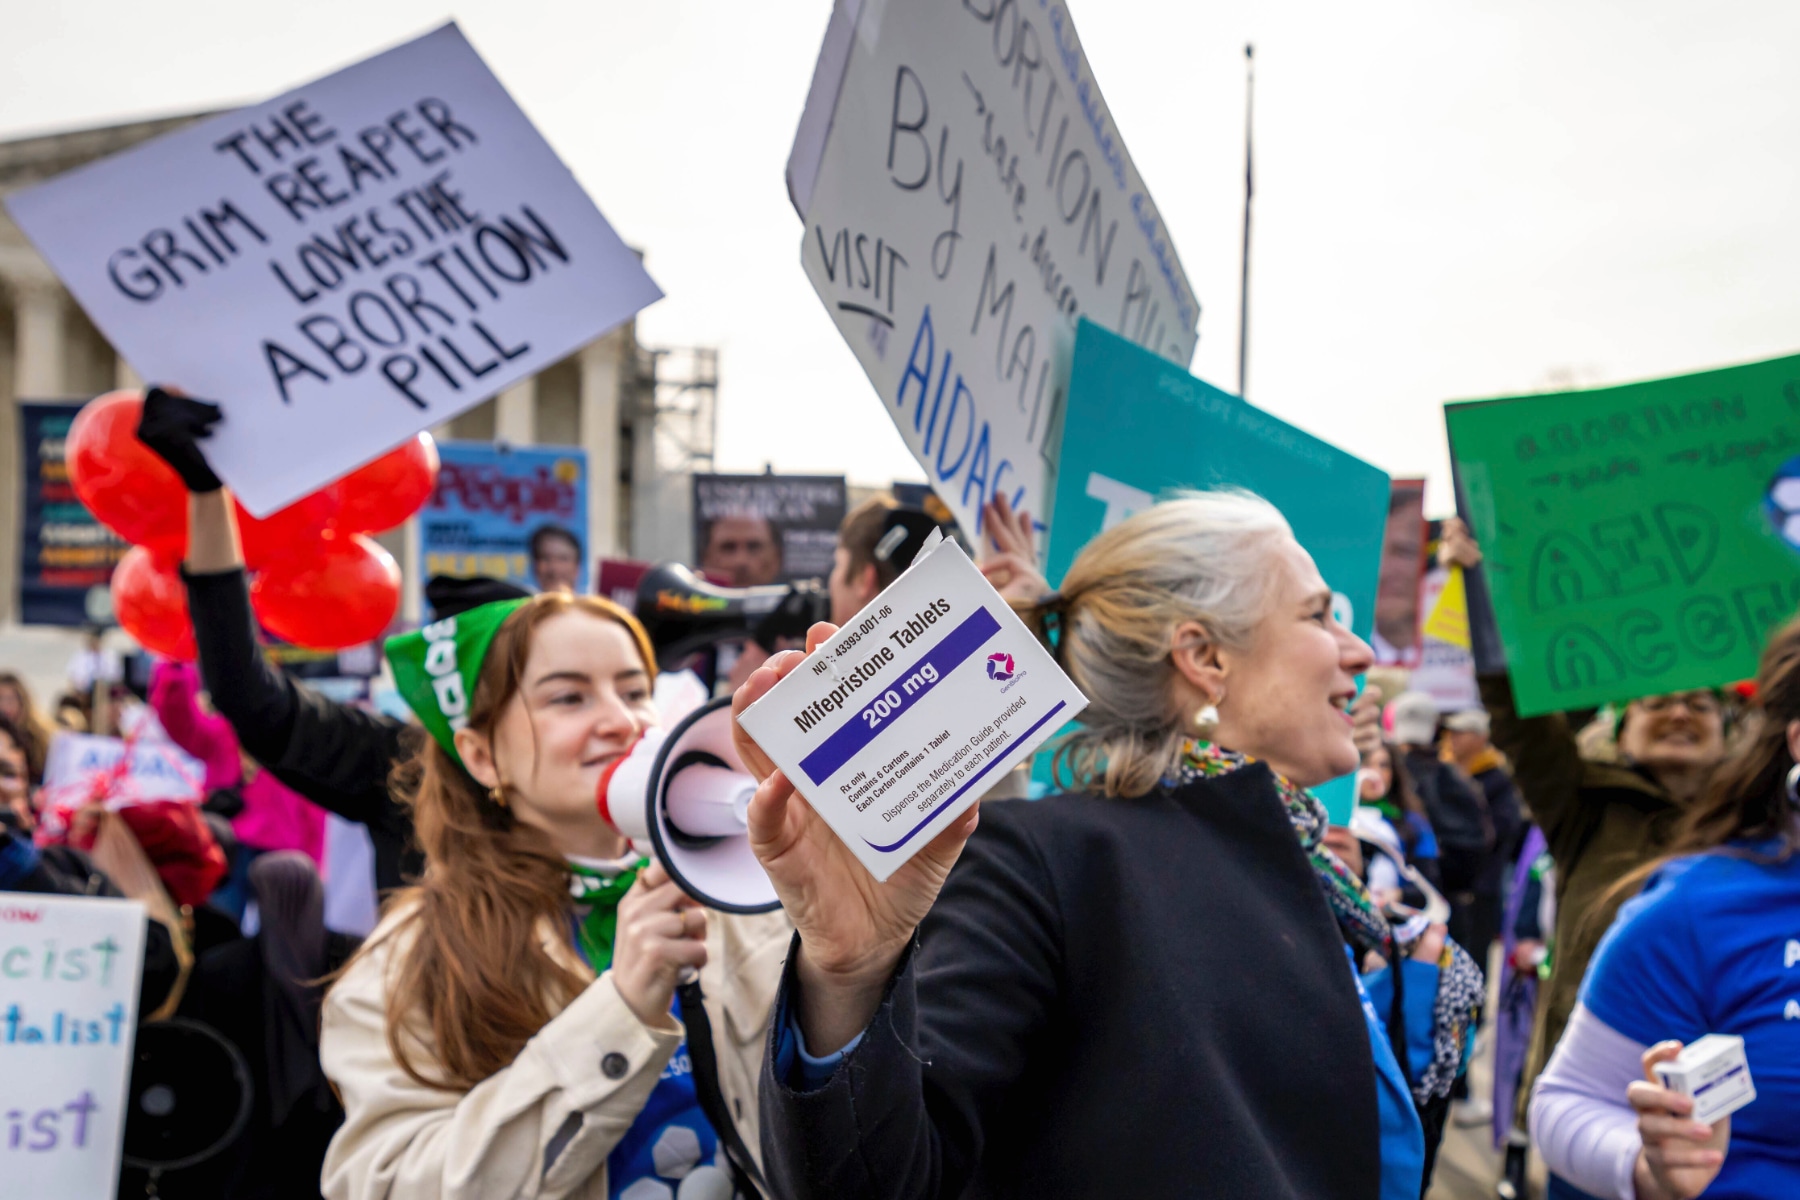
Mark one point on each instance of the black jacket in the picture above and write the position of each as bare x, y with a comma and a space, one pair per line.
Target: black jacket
1141, 997
337, 756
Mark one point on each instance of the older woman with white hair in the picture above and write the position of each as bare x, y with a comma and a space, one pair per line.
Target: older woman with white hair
1148, 987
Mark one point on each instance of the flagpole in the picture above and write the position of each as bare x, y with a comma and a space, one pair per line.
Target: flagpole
1249, 191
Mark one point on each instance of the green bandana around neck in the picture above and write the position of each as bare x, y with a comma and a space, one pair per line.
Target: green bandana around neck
600, 894
435, 668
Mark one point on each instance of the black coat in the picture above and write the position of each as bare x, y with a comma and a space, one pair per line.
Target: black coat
337, 756
1137, 998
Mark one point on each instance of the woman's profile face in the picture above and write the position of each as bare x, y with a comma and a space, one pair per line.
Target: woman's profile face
584, 698
1288, 694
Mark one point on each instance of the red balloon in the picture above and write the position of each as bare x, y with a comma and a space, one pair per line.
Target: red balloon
286, 531
380, 495
343, 594
121, 481
150, 602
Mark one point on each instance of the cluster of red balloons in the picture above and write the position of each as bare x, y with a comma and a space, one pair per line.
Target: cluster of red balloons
319, 580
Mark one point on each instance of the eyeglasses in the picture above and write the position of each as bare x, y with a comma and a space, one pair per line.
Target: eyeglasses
1700, 704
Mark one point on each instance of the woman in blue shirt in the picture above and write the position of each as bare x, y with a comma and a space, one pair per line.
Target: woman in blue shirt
1712, 945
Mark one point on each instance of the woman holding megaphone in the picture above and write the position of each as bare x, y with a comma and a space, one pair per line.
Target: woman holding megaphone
1148, 988
508, 1028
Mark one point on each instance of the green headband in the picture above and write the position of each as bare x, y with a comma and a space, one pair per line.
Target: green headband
436, 667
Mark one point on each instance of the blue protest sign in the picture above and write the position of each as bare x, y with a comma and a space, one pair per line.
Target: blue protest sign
1138, 427
492, 501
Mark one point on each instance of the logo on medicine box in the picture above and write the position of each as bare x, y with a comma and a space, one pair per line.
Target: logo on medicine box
1000, 666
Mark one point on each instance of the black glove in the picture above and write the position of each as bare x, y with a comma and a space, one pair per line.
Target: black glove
173, 427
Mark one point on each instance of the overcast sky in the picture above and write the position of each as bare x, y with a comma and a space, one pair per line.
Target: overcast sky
1455, 200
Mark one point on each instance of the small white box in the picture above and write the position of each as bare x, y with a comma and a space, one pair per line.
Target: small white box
920, 704
1714, 1072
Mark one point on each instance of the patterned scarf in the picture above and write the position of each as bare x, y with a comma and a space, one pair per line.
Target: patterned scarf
597, 891
1363, 926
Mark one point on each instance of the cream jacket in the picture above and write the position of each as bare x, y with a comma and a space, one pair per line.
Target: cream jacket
543, 1126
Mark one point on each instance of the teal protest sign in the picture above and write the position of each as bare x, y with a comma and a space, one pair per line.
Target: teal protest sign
1638, 539
1137, 427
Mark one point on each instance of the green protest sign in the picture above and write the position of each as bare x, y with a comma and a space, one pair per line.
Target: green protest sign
1634, 536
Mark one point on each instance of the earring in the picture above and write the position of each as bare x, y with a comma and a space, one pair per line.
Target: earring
1793, 785
1206, 721
497, 795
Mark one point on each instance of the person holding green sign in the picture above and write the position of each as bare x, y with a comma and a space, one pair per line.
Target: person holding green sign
1603, 820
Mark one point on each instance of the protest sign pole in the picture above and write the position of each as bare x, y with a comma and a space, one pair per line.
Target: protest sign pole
1249, 194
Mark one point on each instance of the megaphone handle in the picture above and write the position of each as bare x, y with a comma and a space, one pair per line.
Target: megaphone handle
705, 1064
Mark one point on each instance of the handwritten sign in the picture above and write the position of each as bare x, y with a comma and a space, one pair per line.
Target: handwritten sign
1637, 539
490, 502
343, 266
967, 199
69, 970
1140, 427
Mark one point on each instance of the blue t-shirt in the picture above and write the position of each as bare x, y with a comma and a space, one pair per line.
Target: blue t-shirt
1712, 945
670, 1139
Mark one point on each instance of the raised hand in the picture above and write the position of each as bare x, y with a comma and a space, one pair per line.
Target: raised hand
1008, 556
174, 425
852, 929
1457, 545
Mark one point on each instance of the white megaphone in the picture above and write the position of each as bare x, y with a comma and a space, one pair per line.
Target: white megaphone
683, 796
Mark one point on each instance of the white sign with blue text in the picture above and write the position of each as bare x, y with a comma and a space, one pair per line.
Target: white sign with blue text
967, 199
69, 969
343, 266
917, 707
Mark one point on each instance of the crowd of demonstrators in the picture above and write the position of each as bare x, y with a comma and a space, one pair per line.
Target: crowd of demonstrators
1710, 945
976, 1024
542, 1011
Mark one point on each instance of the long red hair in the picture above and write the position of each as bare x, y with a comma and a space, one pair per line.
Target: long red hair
476, 972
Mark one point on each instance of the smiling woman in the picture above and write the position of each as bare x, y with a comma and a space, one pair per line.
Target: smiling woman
510, 1028
1152, 986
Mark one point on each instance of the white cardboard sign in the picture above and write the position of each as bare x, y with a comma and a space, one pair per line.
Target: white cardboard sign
341, 267
967, 198
156, 770
918, 706
69, 969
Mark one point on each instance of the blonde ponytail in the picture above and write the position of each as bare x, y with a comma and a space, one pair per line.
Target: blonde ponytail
1203, 557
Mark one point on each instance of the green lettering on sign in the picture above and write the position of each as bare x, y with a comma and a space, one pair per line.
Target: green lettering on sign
1633, 535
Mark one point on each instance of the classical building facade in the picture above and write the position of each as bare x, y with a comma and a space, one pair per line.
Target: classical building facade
644, 417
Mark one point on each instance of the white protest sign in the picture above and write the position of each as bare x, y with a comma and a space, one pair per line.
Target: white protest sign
343, 266
967, 199
69, 969
920, 705
156, 770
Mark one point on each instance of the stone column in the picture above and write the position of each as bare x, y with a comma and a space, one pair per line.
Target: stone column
38, 345
124, 378
601, 379
37, 304
515, 414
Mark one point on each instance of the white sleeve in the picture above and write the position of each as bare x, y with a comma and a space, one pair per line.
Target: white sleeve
1585, 1129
